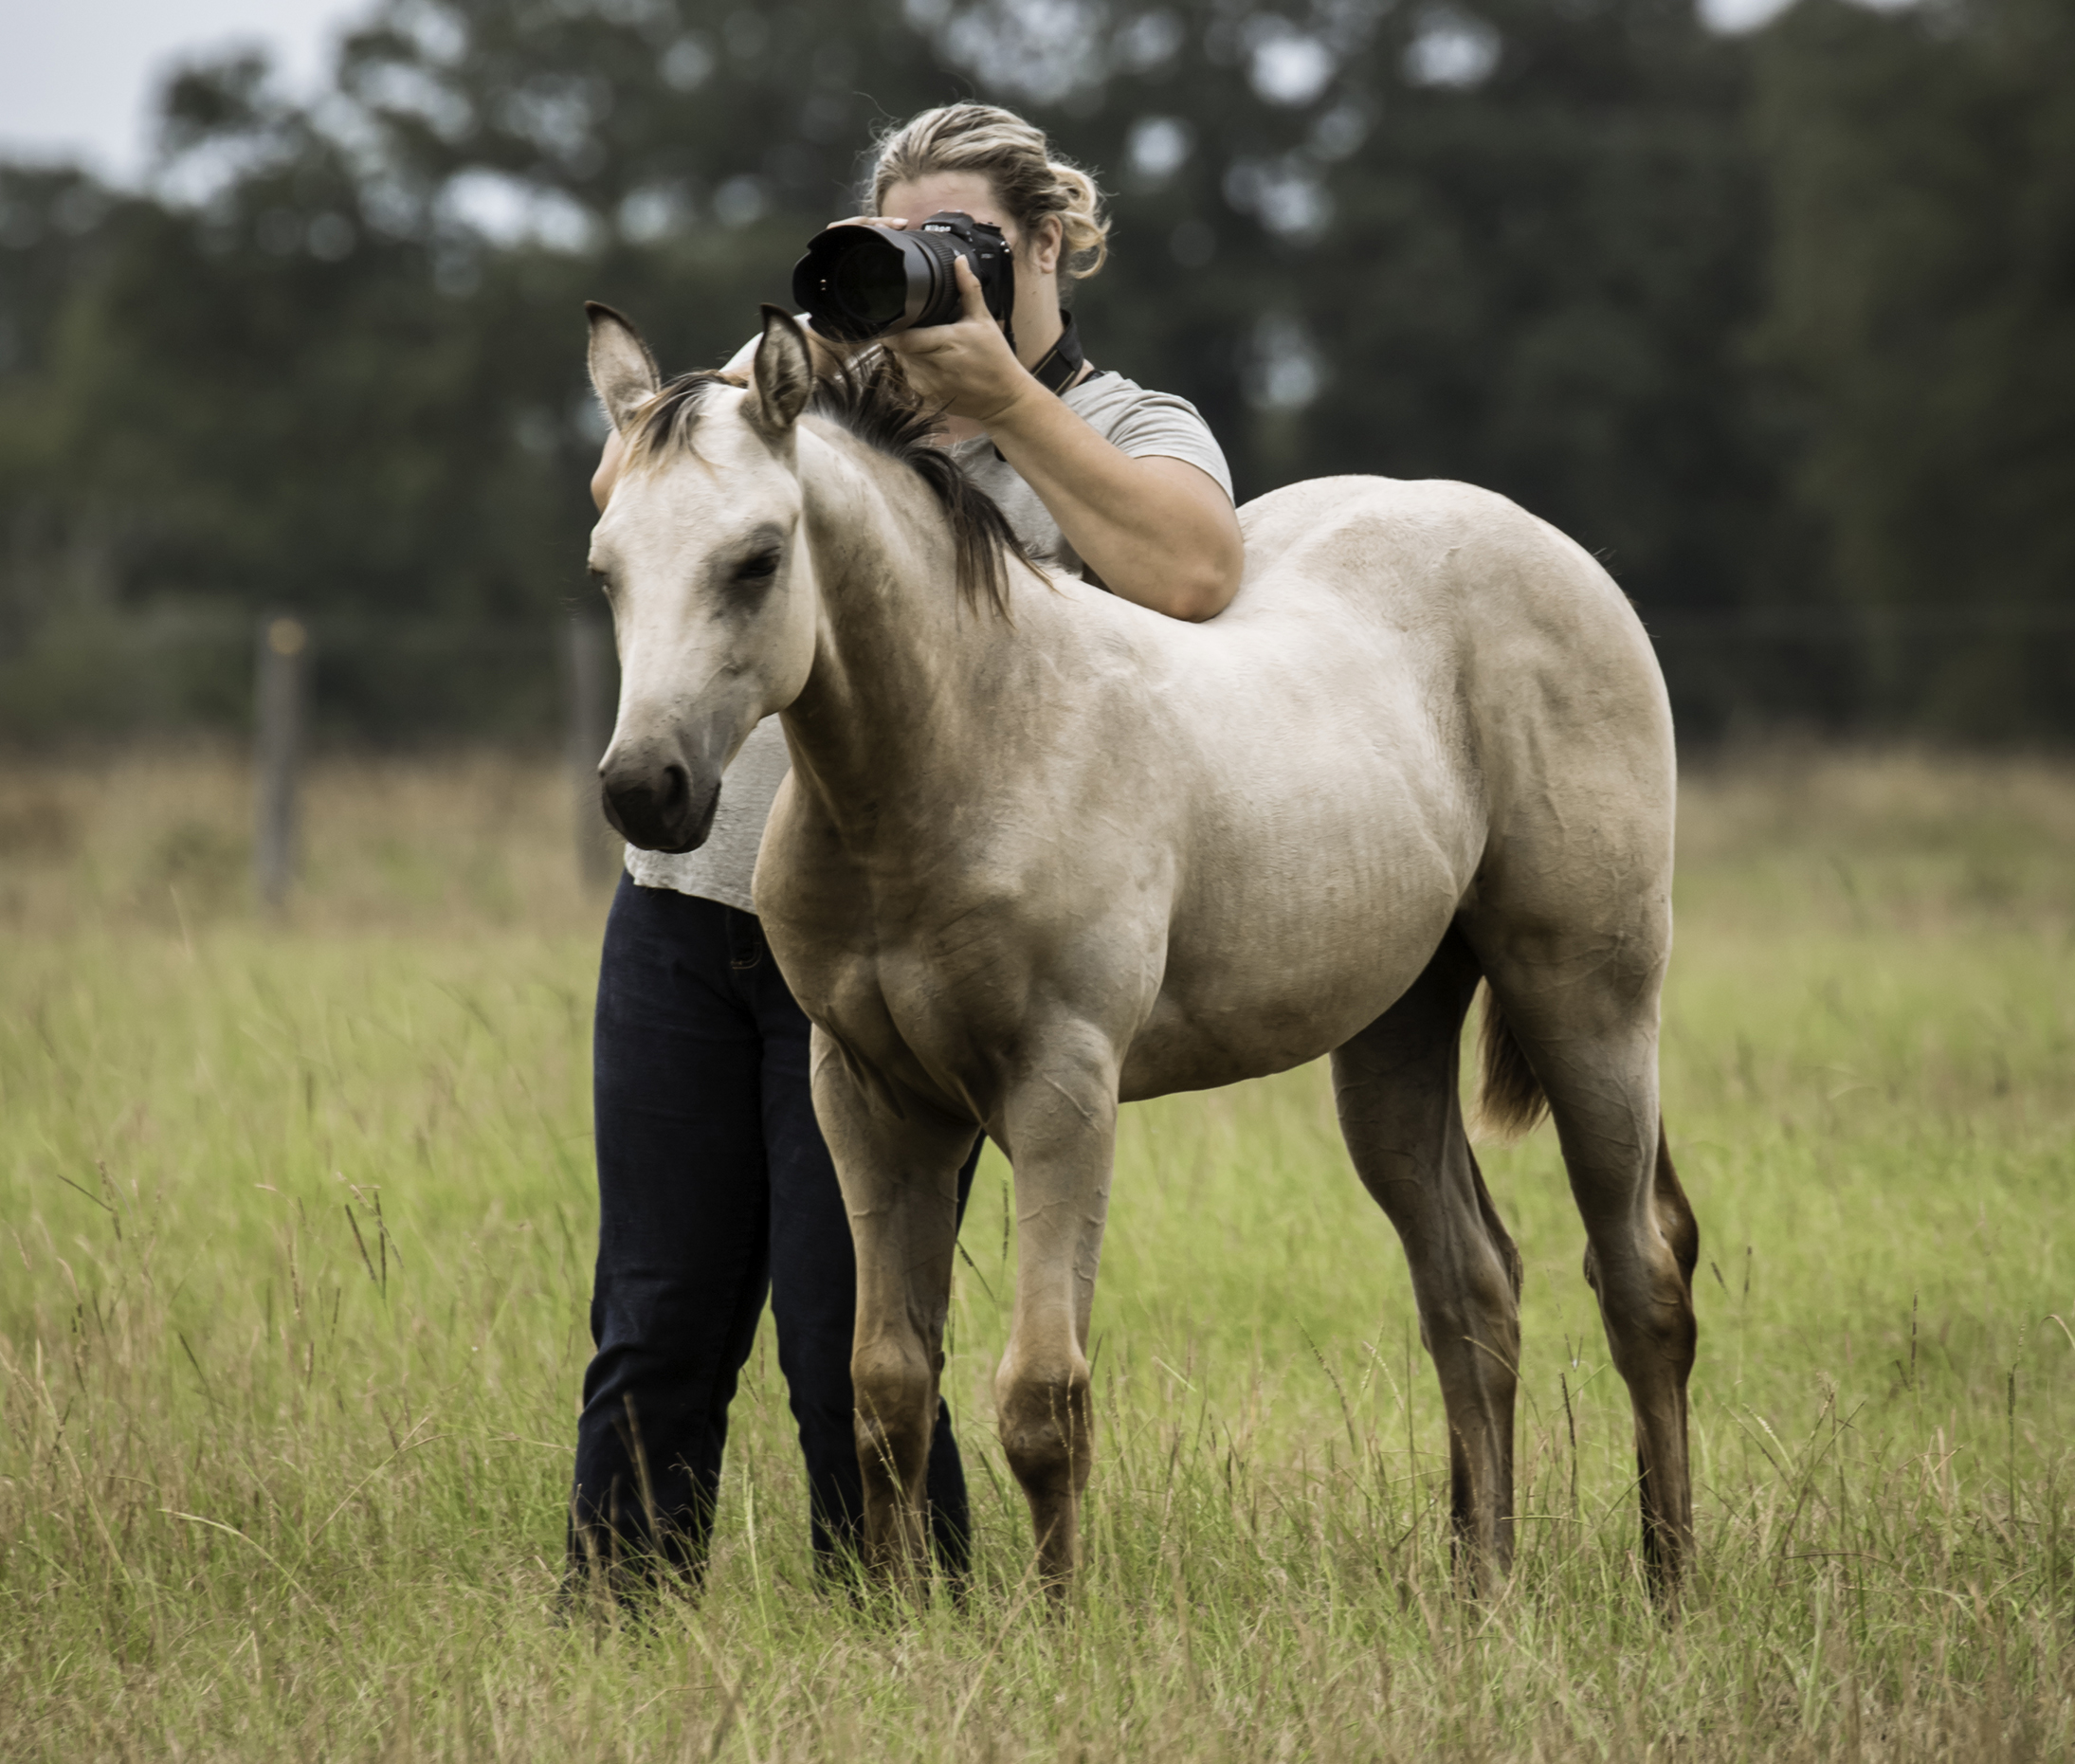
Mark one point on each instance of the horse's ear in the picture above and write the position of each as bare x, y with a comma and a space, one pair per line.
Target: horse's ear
783, 378
622, 370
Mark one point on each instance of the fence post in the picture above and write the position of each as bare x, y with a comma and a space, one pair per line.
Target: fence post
590, 670
277, 744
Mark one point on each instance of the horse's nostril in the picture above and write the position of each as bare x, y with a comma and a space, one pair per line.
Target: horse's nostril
656, 805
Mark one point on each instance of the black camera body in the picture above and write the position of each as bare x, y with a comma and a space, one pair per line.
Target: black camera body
857, 282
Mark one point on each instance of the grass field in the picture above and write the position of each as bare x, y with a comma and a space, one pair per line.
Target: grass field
296, 1222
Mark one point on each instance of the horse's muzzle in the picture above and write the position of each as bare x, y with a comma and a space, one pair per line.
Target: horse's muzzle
659, 805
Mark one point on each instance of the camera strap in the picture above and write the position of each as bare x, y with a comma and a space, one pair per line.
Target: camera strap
1061, 365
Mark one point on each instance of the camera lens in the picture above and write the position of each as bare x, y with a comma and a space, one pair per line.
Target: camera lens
859, 281
863, 281
870, 287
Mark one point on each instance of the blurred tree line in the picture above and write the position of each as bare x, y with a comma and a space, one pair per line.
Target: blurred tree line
1782, 326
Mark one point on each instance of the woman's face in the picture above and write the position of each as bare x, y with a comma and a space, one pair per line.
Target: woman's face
967, 192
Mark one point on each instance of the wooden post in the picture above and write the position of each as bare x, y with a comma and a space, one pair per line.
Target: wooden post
276, 753
589, 672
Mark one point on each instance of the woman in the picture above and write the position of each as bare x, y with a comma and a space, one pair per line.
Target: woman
714, 1183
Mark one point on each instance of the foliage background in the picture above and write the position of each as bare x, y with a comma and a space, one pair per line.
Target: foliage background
1781, 325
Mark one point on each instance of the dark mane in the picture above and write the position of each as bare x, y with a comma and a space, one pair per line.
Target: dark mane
872, 401
666, 421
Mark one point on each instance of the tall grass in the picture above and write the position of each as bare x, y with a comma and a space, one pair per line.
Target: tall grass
296, 1218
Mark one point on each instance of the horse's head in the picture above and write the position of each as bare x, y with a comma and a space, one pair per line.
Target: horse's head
701, 559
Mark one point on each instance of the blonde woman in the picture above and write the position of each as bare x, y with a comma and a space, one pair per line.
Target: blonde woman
715, 1188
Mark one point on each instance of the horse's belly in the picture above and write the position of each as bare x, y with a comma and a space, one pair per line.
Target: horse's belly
1248, 1002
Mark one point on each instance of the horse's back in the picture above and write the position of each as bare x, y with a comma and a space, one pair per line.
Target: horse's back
1542, 649
1426, 548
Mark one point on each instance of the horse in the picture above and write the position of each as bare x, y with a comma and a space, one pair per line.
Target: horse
1043, 851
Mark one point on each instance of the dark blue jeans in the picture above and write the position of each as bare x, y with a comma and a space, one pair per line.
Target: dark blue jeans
714, 1189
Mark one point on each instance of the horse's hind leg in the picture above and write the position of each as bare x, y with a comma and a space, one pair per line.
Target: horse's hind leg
1668, 1500
1395, 1084
1584, 1007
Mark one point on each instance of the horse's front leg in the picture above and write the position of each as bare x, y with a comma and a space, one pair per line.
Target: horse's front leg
900, 1176
1059, 1118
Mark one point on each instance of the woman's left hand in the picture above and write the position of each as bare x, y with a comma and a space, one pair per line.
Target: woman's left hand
965, 368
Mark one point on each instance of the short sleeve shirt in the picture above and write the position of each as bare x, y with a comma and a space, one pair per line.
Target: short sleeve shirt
1142, 424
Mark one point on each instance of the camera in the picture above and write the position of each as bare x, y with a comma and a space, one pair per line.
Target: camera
863, 282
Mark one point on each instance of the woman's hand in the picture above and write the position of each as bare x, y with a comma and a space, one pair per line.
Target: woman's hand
965, 368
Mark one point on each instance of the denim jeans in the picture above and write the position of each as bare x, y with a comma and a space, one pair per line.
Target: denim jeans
715, 1189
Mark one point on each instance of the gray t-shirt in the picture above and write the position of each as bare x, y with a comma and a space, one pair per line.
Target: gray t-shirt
1135, 422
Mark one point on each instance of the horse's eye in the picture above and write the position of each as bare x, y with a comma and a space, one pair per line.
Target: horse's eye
753, 575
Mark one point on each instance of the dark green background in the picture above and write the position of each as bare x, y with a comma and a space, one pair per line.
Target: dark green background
1781, 326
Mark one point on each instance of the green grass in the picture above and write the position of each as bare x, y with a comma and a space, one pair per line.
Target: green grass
295, 1225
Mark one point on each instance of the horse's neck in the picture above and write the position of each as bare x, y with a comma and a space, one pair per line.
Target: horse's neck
893, 644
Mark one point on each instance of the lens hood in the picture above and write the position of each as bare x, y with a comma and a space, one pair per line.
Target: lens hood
862, 282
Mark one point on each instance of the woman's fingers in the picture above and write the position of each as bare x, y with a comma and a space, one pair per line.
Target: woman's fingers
930, 341
894, 226
965, 365
972, 301
935, 339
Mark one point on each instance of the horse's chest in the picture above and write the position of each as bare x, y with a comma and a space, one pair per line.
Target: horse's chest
893, 1015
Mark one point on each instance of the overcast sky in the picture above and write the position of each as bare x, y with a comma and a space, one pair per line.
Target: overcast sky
77, 76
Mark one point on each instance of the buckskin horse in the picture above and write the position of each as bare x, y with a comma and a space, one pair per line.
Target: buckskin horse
1043, 851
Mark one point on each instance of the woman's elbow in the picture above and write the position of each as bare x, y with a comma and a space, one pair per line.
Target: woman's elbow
1207, 589
1197, 602
1193, 578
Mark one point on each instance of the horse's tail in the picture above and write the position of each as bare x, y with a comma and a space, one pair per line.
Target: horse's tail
1510, 1099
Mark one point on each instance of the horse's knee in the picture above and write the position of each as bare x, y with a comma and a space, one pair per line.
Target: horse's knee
1047, 1429
893, 1390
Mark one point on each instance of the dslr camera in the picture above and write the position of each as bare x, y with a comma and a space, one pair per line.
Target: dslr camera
858, 282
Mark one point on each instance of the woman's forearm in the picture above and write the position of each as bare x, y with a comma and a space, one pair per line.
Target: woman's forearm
1157, 531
